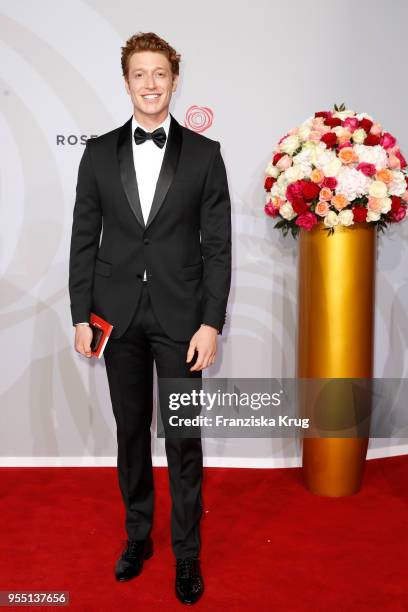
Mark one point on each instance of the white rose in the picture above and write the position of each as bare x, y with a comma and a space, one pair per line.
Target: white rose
333, 167
346, 217
343, 114
364, 115
304, 132
373, 215
272, 170
331, 219
359, 136
290, 144
377, 189
308, 122
338, 130
275, 191
341, 131
386, 205
286, 211
294, 173
398, 185
282, 180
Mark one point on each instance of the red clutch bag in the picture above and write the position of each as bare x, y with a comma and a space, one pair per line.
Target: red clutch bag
101, 331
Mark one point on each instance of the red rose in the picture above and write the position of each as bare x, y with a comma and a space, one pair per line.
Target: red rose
276, 158
310, 190
299, 205
307, 220
401, 158
366, 124
324, 114
359, 214
332, 121
330, 182
371, 140
329, 139
396, 203
269, 181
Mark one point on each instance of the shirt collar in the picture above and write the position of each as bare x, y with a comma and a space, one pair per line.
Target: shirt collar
165, 125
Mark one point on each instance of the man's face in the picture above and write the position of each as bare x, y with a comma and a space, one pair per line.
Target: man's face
150, 84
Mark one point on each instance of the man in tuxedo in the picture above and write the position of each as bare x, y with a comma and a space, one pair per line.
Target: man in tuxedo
160, 275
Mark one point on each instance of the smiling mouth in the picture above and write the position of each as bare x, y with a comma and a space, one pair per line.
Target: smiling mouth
151, 96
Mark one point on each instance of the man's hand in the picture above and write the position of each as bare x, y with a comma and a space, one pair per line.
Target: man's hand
83, 338
204, 342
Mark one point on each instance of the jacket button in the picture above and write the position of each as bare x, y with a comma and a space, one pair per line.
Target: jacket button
146, 241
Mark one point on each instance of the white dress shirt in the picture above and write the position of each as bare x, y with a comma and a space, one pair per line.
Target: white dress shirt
148, 159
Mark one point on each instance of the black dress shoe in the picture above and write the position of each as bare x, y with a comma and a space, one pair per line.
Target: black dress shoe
189, 581
130, 564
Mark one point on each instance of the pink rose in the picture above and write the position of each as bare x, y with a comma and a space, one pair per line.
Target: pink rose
374, 204
271, 210
314, 135
322, 208
351, 123
367, 169
294, 190
376, 129
401, 158
284, 162
398, 215
283, 138
393, 162
306, 220
387, 140
344, 144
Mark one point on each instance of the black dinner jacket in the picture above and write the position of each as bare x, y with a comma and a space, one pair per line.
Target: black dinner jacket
185, 245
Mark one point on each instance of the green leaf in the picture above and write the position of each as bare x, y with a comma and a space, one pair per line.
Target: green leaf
295, 231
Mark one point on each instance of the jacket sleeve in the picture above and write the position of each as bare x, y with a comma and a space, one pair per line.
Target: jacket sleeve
86, 230
216, 242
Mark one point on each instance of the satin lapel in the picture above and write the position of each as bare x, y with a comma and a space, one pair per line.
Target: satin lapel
168, 167
127, 170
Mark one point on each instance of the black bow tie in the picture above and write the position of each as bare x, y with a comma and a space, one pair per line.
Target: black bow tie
158, 136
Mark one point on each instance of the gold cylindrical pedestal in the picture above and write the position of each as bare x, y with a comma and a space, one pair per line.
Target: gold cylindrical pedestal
335, 339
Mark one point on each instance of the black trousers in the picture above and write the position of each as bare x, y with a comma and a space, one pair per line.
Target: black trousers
129, 366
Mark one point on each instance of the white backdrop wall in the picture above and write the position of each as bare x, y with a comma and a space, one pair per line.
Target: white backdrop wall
261, 67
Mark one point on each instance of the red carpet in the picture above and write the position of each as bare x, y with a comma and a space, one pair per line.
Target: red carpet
268, 544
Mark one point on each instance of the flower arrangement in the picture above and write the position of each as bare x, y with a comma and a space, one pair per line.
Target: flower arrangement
338, 168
